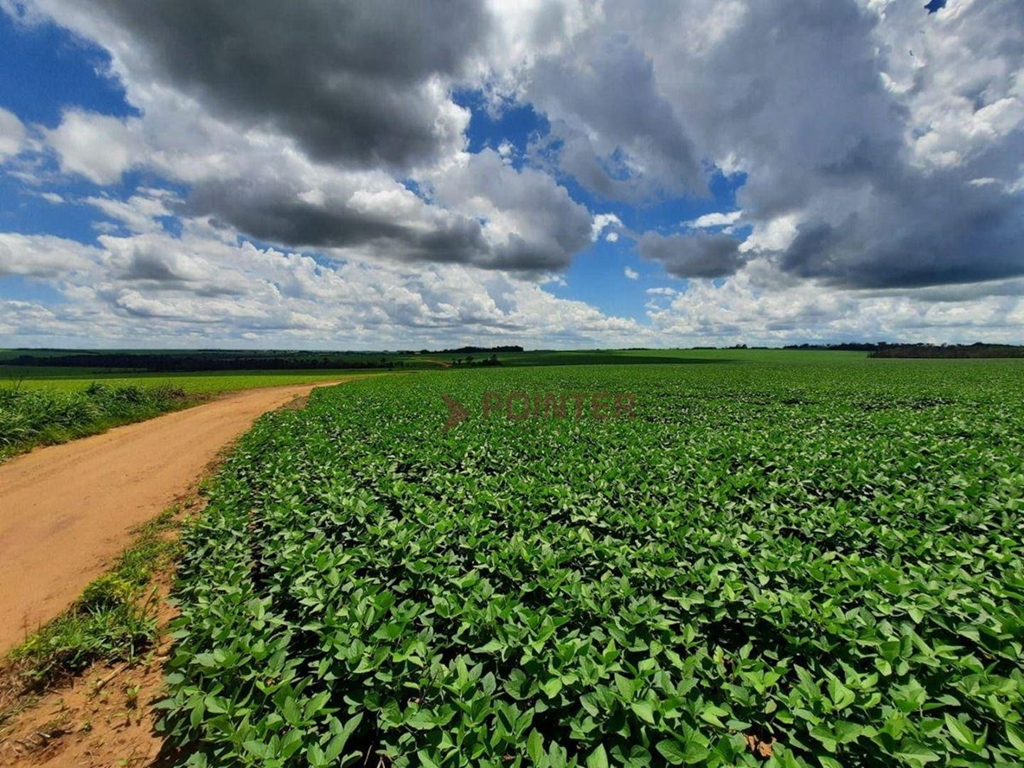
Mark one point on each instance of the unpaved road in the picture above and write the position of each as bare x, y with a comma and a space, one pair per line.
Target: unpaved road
66, 511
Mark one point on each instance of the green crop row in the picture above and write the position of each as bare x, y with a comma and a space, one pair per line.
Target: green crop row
820, 567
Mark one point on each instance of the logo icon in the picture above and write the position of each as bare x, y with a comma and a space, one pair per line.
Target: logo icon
457, 412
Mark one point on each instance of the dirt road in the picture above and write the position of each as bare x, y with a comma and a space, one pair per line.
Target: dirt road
66, 510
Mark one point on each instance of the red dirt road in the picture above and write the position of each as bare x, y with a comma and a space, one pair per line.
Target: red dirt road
66, 511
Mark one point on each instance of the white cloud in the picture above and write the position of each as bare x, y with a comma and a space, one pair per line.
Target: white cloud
603, 221
506, 150
12, 134
631, 274
139, 213
205, 288
98, 147
752, 307
872, 174
709, 220
43, 256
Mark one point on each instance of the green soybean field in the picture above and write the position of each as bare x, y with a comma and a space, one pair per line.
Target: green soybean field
756, 564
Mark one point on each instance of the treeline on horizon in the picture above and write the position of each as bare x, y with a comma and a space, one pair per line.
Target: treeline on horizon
920, 350
955, 351
219, 360
188, 363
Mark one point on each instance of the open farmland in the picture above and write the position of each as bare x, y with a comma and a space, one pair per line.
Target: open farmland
812, 564
204, 383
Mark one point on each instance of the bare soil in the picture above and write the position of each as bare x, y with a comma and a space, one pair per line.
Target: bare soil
104, 717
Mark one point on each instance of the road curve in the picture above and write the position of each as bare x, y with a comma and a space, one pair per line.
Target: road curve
66, 511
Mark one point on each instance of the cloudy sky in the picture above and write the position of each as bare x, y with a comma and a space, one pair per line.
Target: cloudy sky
554, 173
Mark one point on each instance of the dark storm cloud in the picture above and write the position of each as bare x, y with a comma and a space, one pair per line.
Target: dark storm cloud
799, 93
347, 79
925, 233
698, 255
275, 214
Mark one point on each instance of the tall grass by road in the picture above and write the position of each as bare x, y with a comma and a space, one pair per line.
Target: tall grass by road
31, 417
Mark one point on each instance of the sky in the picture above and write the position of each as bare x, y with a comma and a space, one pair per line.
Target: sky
326, 174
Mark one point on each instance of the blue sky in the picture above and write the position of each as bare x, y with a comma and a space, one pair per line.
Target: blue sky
546, 177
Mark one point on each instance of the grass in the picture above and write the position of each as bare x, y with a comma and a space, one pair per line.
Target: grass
113, 620
210, 383
31, 417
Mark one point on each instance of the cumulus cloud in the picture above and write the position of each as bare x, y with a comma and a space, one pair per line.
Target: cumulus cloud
98, 147
141, 212
278, 157
363, 83
12, 134
699, 255
878, 148
603, 221
711, 220
862, 126
532, 223
41, 256
631, 274
612, 126
753, 307
203, 288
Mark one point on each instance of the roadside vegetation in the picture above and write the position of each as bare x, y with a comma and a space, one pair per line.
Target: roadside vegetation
31, 417
811, 565
114, 619
193, 384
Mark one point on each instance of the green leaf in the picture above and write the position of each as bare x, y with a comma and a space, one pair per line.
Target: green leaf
916, 754
337, 744
672, 751
535, 746
644, 710
712, 714
842, 697
598, 758
552, 687
1015, 736
557, 756
259, 749
421, 720
959, 731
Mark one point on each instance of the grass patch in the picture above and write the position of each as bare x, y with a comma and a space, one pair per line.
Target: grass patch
206, 383
31, 417
115, 618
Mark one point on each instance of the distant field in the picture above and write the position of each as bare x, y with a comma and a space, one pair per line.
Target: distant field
68, 380
812, 561
212, 382
679, 357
